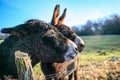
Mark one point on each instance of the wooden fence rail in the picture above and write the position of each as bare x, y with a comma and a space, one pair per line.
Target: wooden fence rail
24, 67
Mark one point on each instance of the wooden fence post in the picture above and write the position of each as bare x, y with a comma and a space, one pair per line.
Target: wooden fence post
24, 68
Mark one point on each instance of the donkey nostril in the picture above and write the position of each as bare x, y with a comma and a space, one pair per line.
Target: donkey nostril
76, 49
82, 45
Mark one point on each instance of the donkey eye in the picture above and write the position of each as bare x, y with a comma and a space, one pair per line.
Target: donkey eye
52, 32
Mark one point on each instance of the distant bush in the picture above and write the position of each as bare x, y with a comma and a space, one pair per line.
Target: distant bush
110, 25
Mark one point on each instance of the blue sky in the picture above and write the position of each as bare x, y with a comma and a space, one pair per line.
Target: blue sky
14, 12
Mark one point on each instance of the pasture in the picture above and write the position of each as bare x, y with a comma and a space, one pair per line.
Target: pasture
109, 44
92, 55
96, 45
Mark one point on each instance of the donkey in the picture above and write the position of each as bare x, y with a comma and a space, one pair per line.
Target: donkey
69, 67
43, 42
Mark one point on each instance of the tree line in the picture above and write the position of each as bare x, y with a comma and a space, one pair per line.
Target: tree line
105, 26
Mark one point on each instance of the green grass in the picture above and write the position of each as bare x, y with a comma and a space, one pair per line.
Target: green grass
110, 44
87, 59
104, 43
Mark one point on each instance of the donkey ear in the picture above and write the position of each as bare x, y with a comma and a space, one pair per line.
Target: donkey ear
55, 15
16, 31
10, 31
62, 17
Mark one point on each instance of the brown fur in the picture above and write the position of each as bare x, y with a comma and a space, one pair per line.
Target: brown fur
61, 70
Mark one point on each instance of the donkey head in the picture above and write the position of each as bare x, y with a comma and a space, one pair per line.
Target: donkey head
64, 29
34, 34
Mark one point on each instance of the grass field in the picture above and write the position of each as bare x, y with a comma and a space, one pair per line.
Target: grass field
94, 45
110, 44
103, 43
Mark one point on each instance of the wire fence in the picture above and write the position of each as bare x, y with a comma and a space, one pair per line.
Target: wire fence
55, 75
